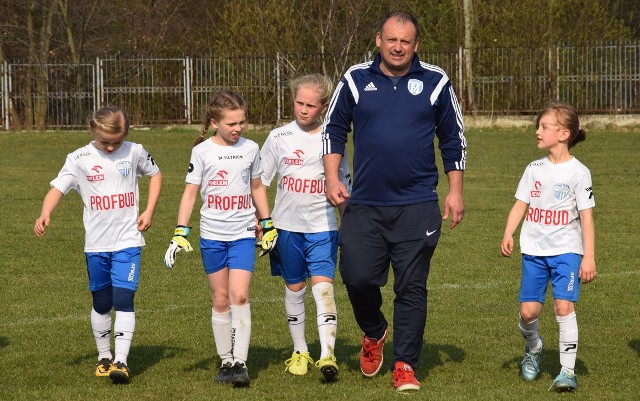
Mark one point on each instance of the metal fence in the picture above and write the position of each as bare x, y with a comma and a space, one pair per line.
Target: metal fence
596, 79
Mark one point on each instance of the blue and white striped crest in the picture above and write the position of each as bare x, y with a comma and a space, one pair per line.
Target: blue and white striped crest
245, 175
415, 86
560, 191
124, 168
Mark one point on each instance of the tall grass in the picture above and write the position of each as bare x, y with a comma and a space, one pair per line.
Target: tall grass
472, 347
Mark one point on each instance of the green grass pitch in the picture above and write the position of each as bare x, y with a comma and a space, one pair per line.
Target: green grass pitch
472, 347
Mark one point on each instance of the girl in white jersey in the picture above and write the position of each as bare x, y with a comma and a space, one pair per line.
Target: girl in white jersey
556, 240
105, 173
306, 222
226, 169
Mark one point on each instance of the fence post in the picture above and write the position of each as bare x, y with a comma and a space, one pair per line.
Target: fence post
98, 85
187, 89
460, 71
5, 94
278, 90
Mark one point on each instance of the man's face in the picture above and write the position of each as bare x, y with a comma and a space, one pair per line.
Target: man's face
398, 43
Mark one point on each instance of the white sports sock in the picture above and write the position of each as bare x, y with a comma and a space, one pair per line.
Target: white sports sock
568, 343
101, 326
240, 331
123, 334
296, 317
327, 317
531, 333
221, 326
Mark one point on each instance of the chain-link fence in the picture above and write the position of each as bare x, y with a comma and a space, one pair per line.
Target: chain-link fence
496, 81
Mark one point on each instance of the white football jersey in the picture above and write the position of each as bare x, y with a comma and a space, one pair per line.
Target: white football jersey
108, 186
296, 157
224, 174
555, 193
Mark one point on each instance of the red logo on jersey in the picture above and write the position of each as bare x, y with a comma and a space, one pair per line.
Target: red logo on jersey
97, 176
234, 202
536, 193
115, 201
295, 162
548, 217
221, 182
304, 186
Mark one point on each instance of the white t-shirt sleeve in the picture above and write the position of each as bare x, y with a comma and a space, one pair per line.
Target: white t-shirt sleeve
146, 165
256, 165
269, 160
196, 168
67, 178
584, 191
344, 172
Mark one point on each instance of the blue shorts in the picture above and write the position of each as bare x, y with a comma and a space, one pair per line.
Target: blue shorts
238, 254
117, 269
561, 270
297, 256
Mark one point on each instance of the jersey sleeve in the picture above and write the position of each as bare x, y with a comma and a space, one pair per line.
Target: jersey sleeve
523, 193
344, 172
269, 160
256, 164
67, 178
450, 129
146, 165
196, 168
584, 191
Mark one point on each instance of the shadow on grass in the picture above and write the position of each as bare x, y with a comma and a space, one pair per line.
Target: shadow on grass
549, 365
140, 358
4, 342
635, 345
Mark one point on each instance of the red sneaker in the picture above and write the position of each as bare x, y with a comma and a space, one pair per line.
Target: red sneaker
371, 354
403, 378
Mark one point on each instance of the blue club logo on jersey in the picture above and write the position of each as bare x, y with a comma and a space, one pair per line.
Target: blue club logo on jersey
124, 168
415, 86
560, 191
245, 175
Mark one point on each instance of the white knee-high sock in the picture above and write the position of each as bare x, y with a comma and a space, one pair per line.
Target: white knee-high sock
531, 333
101, 326
123, 334
327, 317
296, 316
221, 326
240, 331
568, 343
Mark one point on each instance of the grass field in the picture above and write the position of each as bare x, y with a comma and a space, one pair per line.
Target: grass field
472, 347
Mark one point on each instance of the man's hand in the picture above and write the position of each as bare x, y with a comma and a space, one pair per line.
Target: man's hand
269, 236
178, 242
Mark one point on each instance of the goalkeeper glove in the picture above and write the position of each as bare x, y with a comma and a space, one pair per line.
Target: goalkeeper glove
178, 243
269, 236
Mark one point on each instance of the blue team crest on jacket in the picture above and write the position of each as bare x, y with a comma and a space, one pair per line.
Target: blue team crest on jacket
124, 168
415, 86
560, 191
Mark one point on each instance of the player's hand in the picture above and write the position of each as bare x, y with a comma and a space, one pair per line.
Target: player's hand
587, 272
41, 225
269, 236
178, 242
506, 247
336, 193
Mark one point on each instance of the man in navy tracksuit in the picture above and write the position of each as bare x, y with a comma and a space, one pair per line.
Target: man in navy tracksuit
397, 105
